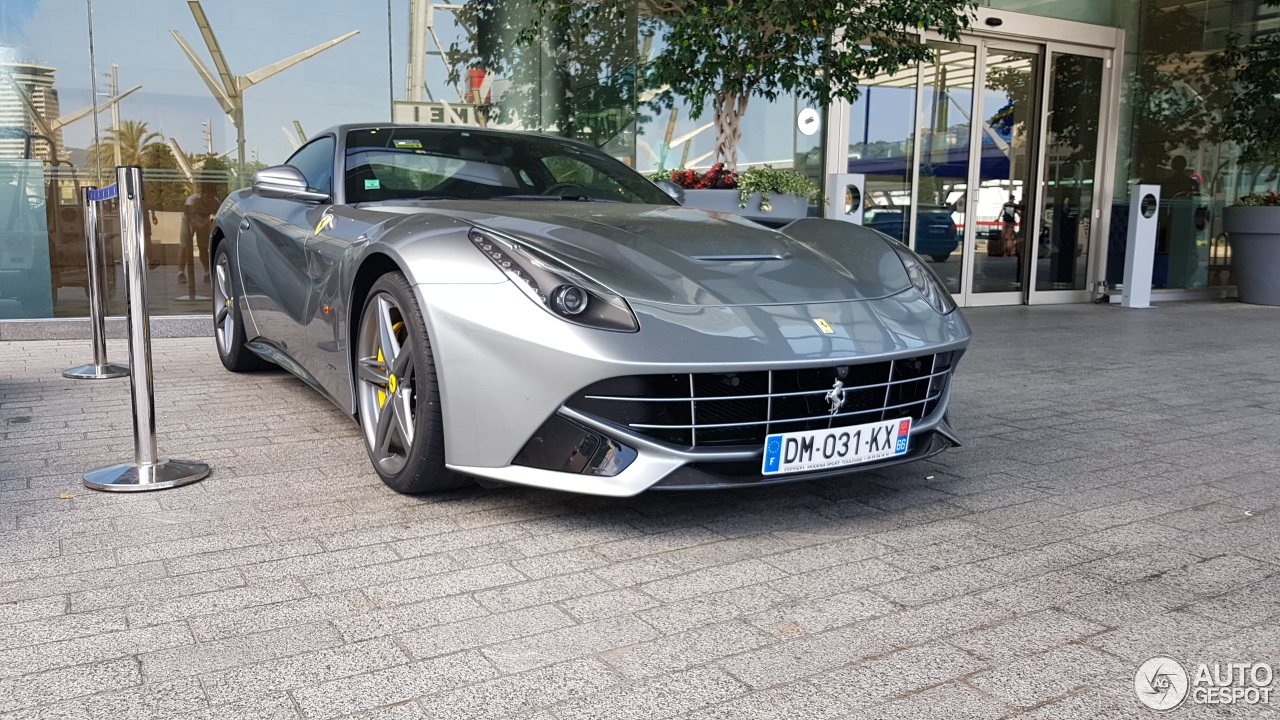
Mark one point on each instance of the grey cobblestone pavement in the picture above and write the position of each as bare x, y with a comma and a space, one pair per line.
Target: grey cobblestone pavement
1118, 498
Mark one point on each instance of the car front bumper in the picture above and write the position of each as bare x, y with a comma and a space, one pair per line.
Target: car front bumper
506, 366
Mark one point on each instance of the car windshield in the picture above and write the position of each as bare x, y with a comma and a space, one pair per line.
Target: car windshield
464, 164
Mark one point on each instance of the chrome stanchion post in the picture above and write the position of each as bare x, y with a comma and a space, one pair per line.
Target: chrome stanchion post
148, 471
100, 369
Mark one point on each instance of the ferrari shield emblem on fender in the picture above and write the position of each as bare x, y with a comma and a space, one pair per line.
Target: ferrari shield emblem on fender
326, 221
824, 326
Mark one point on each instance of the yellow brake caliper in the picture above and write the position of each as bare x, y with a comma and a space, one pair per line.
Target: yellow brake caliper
392, 383
382, 394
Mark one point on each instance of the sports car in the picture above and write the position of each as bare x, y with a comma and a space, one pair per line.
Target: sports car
524, 309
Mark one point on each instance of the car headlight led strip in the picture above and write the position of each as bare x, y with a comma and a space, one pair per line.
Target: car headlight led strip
560, 291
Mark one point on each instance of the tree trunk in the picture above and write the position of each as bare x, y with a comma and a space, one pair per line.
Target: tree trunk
729, 111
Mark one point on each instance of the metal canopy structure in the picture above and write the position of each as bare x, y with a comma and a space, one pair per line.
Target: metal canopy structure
49, 127
228, 89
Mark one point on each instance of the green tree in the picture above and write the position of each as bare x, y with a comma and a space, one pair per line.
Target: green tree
167, 193
132, 139
574, 76
1251, 115
728, 51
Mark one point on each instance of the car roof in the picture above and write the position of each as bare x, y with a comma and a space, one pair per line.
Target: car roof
341, 130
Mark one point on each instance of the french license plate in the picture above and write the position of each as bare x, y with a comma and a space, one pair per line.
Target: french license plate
836, 447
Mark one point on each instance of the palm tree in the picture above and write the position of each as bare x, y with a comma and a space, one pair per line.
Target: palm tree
132, 138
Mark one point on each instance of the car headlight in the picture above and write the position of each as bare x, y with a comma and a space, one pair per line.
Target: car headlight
925, 281
559, 290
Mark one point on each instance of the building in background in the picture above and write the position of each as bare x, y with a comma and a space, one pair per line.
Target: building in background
24, 87
1007, 162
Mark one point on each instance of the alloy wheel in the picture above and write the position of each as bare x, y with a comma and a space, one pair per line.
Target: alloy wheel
385, 372
224, 320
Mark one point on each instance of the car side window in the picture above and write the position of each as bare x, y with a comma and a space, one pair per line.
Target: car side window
315, 161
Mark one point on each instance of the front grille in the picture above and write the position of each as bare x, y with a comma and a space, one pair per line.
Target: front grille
741, 408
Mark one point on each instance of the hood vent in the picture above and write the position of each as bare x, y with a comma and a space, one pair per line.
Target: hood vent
740, 258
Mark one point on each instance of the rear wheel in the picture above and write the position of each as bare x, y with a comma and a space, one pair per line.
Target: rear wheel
940, 257
228, 328
397, 392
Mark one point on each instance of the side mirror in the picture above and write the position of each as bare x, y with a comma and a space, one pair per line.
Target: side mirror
285, 182
675, 191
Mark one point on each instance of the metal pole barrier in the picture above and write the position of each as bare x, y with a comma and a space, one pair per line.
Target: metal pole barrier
100, 369
148, 471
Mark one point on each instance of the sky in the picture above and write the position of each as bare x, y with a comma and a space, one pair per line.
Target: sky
349, 82
352, 82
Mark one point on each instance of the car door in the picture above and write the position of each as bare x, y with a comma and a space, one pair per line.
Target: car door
272, 253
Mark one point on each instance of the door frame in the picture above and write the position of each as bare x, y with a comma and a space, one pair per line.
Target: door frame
1002, 27
1031, 196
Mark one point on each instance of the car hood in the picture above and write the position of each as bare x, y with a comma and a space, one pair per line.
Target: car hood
685, 256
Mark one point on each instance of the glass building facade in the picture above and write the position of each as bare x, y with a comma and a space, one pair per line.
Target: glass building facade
1007, 161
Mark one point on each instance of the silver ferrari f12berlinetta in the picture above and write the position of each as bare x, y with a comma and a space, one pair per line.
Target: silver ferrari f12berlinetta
526, 309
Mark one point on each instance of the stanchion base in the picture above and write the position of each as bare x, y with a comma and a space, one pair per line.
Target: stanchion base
192, 298
96, 372
129, 477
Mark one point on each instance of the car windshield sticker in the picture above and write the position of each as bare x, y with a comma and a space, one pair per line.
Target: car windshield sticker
824, 326
408, 143
372, 184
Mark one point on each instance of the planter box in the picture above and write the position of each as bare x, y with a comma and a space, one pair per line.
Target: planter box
785, 207
1254, 234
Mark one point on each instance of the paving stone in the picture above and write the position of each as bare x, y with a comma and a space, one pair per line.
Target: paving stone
685, 650
706, 609
61, 627
797, 701
162, 700
541, 592
957, 701
163, 610
240, 650
440, 585
899, 673
568, 642
1062, 543
402, 618
1036, 679
1153, 636
803, 656
1025, 635
63, 683
821, 614
260, 681
664, 697
710, 580
611, 603
392, 685
93, 649
164, 587
939, 585
481, 631
18, 611
515, 695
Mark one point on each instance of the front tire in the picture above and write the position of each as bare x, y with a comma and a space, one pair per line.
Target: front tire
397, 392
228, 327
